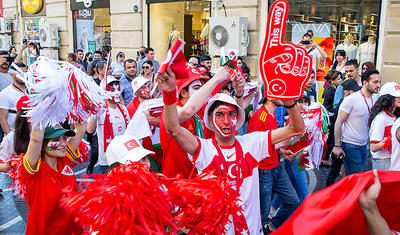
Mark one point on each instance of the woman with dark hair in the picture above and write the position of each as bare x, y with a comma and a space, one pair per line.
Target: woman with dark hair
334, 79
147, 72
382, 117
367, 66
340, 61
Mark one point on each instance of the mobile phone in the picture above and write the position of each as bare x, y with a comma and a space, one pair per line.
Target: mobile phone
24, 41
138, 53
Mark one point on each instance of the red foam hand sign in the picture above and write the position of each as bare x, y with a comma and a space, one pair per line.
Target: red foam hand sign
285, 67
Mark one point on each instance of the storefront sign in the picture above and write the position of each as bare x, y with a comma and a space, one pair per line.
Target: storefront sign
32, 6
285, 67
84, 4
83, 14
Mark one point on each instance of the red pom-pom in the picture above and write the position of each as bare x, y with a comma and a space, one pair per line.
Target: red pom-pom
128, 200
205, 203
15, 174
84, 148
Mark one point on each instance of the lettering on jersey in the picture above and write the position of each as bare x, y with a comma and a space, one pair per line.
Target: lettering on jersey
67, 171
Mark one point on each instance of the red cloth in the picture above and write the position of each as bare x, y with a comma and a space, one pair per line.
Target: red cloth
132, 106
43, 193
335, 210
263, 121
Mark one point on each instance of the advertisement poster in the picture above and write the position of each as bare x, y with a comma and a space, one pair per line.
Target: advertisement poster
84, 28
322, 36
31, 29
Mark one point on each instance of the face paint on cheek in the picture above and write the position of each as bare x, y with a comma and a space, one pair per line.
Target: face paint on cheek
218, 123
52, 146
142, 92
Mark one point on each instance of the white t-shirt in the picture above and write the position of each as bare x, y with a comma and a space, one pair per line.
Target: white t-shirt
255, 146
355, 128
8, 100
315, 54
380, 130
119, 126
395, 159
7, 147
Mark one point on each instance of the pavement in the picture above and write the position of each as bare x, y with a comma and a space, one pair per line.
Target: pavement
11, 221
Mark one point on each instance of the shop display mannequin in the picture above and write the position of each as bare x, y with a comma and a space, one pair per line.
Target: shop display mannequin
348, 47
366, 51
173, 36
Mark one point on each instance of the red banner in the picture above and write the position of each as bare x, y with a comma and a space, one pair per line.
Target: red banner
285, 67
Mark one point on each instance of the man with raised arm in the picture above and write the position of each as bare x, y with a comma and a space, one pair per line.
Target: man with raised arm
236, 157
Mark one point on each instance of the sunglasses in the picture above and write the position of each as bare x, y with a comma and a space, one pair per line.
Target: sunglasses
145, 67
122, 55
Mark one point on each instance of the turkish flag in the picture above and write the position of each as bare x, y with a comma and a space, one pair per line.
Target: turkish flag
335, 210
176, 60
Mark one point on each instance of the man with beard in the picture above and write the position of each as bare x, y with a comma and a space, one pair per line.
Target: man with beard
235, 157
351, 127
5, 78
205, 65
273, 178
130, 69
8, 99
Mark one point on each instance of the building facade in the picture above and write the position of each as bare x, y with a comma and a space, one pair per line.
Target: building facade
371, 27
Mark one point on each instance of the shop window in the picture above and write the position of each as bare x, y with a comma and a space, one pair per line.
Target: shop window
183, 20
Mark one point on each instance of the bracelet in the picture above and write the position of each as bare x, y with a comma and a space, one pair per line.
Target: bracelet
169, 97
290, 106
338, 146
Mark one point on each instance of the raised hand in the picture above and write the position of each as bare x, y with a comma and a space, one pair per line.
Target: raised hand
166, 81
285, 67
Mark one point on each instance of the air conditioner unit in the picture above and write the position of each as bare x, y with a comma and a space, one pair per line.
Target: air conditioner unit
5, 25
230, 33
48, 34
52, 54
5, 42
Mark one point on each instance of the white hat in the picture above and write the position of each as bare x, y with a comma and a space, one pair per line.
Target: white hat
137, 83
111, 79
124, 148
226, 99
390, 88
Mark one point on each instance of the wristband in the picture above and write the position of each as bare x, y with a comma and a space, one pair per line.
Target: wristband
290, 106
337, 146
169, 97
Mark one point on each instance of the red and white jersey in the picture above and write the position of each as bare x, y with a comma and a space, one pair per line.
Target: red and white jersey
256, 146
380, 130
395, 160
118, 126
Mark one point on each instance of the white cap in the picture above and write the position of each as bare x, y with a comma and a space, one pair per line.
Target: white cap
390, 88
226, 99
137, 83
124, 148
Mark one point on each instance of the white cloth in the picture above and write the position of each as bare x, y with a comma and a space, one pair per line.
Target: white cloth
315, 56
8, 100
350, 49
366, 52
118, 124
355, 127
381, 125
256, 147
7, 147
395, 159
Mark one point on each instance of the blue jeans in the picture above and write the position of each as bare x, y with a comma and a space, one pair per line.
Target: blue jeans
298, 179
381, 164
276, 181
356, 157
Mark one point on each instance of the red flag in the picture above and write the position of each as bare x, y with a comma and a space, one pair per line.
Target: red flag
335, 210
176, 60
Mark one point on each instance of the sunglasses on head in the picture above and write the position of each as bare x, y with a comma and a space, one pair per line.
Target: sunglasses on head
145, 67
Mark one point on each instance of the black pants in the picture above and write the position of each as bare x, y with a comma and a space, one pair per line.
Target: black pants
334, 171
94, 152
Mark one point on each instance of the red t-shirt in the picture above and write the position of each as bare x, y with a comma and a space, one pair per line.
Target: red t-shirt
262, 120
44, 188
132, 106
